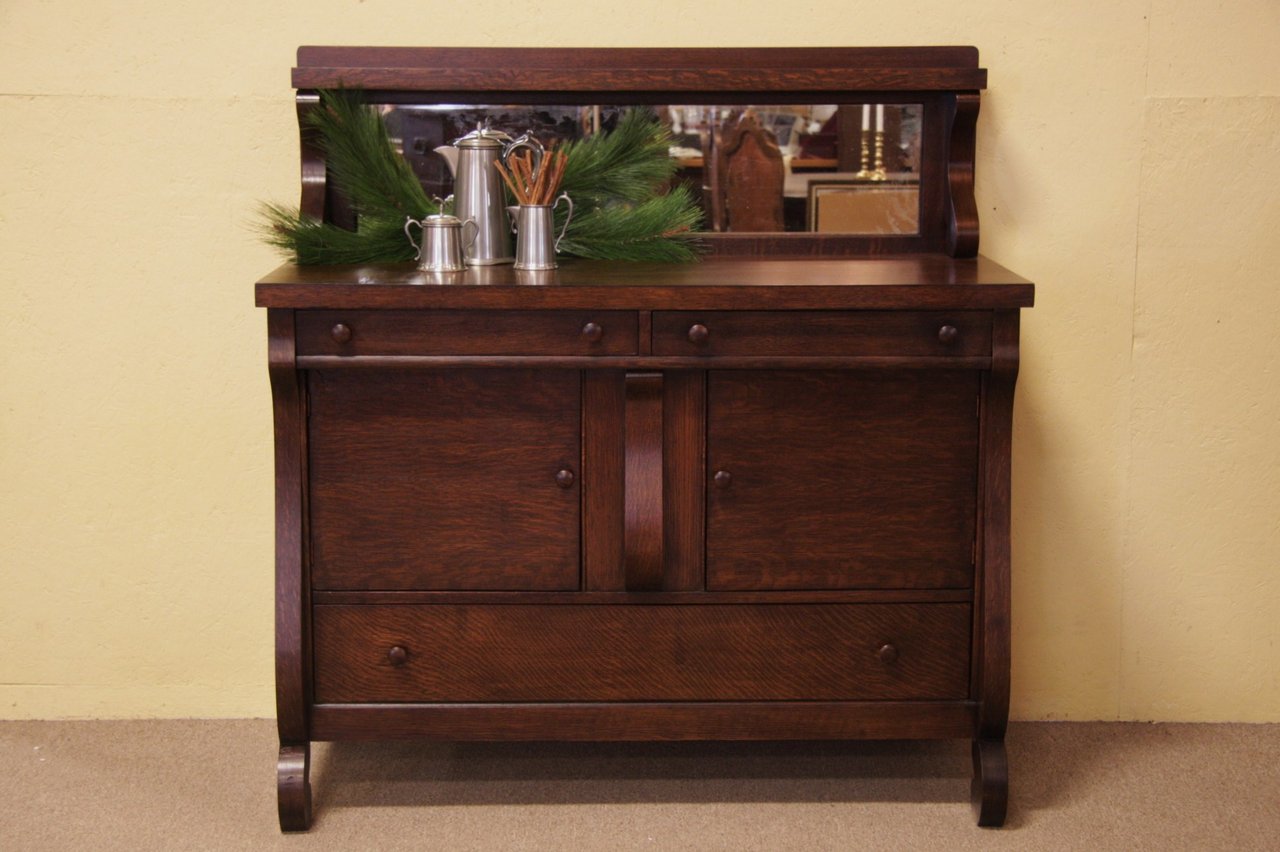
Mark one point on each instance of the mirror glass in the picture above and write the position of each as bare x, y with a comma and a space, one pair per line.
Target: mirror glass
834, 168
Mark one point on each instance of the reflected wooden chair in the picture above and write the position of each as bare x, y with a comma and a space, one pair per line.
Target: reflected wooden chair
748, 178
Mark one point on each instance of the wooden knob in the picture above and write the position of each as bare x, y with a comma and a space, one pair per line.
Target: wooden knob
341, 333
398, 655
698, 333
592, 332
887, 653
565, 478
948, 333
722, 479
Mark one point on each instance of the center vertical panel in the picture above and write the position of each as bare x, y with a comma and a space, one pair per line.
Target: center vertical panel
642, 504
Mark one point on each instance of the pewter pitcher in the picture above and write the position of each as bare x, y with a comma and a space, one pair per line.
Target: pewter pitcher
536, 240
478, 193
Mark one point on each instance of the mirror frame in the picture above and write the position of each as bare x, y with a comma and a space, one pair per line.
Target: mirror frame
946, 81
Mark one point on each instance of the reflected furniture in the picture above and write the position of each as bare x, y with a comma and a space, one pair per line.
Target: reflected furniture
764, 496
749, 177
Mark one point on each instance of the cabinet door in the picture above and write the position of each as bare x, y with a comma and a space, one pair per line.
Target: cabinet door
462, 479
841, 480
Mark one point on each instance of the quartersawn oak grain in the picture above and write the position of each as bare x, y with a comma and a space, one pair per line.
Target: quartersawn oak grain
641, 653
444, 480
920, 282
887, 502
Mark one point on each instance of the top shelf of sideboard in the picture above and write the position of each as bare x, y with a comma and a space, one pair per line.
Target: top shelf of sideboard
916, 282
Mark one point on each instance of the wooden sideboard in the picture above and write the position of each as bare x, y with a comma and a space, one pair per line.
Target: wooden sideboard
764, 496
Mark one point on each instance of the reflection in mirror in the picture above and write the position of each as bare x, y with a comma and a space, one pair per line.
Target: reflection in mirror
846, 168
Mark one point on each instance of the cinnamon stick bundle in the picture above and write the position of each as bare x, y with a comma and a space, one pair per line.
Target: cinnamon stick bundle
530, 185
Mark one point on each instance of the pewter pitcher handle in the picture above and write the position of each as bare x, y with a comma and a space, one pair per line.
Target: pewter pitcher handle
409, 220
567, 220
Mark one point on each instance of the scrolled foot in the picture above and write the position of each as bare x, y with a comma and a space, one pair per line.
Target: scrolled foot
990, 789
293, 787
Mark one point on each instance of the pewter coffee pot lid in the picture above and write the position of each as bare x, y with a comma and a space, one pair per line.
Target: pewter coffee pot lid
483, 137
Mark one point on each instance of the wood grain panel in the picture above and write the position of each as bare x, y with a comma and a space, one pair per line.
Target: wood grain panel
642, 505
642, 653
647, 721
487, 58
466, 333
447, 480
603, 473
919, 282
815, 333
841, 480
566, 78
683, 465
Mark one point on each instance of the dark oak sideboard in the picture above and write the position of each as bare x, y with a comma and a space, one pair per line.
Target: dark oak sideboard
739, 499
764, 496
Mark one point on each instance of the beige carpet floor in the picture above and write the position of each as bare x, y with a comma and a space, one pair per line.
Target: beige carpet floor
209, 785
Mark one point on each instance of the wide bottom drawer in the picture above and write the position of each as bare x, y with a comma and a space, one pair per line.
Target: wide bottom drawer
505, 653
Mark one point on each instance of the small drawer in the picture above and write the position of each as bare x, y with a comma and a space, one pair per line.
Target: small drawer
807, 333
587, 652
451, 332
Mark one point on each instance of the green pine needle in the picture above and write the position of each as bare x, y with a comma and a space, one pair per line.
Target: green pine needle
659, 229
360, 158
627, 163
309, 242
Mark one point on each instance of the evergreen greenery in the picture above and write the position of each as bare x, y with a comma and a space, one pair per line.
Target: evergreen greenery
613, 179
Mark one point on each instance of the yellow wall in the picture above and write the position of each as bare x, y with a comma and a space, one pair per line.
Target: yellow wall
1129, 160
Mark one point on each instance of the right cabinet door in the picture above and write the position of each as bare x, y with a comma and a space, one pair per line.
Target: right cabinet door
841, 479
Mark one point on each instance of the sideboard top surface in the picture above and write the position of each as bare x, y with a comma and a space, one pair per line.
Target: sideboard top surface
899, 283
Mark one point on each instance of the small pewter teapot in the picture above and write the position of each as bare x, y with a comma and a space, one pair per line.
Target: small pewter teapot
478, 193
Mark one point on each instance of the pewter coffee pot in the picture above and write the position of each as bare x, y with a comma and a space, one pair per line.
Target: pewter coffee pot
478, 193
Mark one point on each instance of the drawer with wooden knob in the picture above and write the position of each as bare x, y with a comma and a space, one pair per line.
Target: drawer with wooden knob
353, 333
809, 333
696, 652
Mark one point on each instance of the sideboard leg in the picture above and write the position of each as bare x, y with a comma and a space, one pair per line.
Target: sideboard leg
990, 789
293, 787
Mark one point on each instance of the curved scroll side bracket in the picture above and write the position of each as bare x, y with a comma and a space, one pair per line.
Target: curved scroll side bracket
291, 632
313, 165
989, 790
962, 127
994, 594
293, 787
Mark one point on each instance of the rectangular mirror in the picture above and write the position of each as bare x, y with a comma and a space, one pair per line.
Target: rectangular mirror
832, 168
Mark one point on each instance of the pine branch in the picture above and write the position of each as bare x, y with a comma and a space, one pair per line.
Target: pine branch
627, 163
309, 242
361, 160
662, 228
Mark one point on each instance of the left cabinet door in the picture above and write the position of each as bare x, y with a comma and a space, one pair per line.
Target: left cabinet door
444, 480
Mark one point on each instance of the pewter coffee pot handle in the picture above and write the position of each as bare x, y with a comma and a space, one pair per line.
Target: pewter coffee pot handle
525, 140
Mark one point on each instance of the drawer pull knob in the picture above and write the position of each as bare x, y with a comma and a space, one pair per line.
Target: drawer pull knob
887, 654
565, 478
723, 479
699, 333
948, 334
592, 332
340, 333
398, 655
